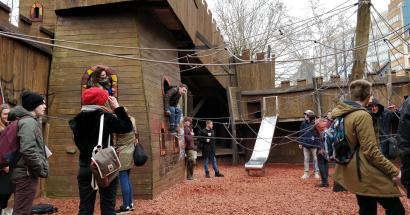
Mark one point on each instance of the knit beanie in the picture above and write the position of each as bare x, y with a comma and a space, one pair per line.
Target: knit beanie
31, 100
94, 96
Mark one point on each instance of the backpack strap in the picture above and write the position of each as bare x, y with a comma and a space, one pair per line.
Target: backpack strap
359, 174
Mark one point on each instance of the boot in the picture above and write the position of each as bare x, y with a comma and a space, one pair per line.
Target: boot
189, 170
218, 174
207, 174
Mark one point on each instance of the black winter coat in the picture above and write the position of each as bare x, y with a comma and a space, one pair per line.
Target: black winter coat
86, 125
404, 144
208, 148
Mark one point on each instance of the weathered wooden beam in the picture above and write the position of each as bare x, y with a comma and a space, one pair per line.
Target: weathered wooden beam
203, 39
199, 105
46, 31
235, 155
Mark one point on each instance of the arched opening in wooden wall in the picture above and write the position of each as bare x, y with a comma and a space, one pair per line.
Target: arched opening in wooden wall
36, 12
166, 84
100, 76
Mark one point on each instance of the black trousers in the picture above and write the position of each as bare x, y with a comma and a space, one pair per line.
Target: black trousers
88, 194
323, 168
368, 205
4, 198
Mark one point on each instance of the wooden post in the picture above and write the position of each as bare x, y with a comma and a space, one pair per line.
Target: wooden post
336, 64
317, 97
389, 87
235, 155
362, 39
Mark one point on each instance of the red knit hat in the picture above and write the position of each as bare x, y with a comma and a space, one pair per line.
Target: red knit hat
94, 96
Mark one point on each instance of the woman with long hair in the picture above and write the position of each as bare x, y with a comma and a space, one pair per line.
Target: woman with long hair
6, 186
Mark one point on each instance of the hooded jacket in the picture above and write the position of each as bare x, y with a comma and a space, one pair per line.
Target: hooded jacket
86, 125
308, 137
376, 171
382, 121
33, 161
404, 145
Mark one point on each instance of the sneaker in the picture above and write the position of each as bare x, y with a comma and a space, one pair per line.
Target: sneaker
304, 176
132, 208
317, 176
123, 210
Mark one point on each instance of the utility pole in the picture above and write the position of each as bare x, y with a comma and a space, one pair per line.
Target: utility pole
362, 40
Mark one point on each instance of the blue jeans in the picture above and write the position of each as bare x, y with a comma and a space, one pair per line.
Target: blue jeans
214, 164
306, 155
175, 116
126, 188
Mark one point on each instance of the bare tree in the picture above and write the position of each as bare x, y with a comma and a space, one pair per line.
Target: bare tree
249, 24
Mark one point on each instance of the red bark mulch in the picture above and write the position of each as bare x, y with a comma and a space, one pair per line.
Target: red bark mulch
280, 191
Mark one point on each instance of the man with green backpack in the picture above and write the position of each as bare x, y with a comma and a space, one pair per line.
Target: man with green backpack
361, 168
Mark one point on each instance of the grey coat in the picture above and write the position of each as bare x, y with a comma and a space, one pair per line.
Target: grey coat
33, 161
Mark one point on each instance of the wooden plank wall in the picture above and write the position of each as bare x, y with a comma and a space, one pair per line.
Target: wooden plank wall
167, 169
67, 69
293, 103
22, 67
195, 17
261, 74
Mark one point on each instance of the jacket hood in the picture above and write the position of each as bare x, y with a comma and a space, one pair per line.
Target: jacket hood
346, 107
380, 110
19, 112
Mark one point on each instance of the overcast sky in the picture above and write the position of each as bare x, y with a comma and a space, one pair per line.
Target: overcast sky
298, 7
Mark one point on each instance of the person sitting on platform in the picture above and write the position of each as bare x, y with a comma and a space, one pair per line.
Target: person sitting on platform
172, 110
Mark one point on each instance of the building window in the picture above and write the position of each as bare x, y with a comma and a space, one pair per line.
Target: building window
394, 19
36, 12
254, 110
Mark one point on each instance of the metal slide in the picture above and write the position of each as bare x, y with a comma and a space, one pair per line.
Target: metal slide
263, 143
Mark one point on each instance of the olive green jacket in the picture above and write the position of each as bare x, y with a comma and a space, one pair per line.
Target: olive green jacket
33, 161
125, 147
376, 171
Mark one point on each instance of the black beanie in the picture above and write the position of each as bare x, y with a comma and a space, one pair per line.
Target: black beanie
31, 100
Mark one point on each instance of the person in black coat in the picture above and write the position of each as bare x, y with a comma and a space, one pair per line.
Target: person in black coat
403, 136
85, 127
208, 148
